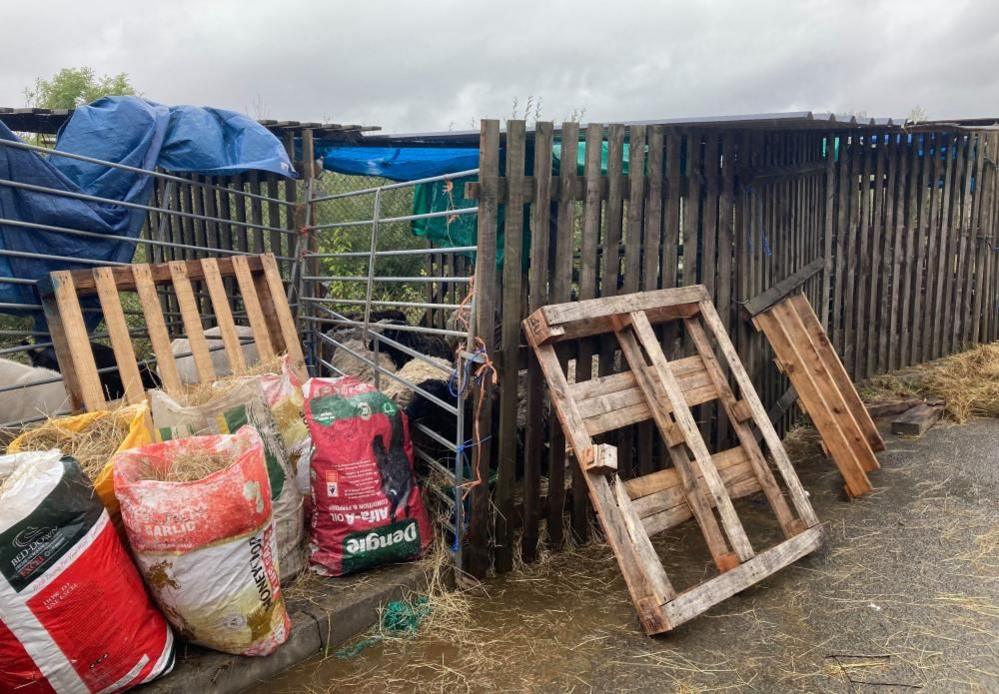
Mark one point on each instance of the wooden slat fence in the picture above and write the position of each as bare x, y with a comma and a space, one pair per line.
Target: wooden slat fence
903, 221
221, 216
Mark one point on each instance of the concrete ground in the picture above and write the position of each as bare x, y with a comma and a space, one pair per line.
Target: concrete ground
903, 596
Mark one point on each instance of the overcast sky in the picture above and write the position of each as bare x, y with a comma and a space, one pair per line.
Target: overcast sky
443, 64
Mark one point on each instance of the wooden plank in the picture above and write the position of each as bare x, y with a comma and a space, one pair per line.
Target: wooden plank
480, 523
83, 280
964, 231
632, 569
834, 367
893, 152
61, 347
842, 220
262, 290
983, 232
685, 421
285, 319
254, 312
634, 232
864, 256
612, 213
211, 210
156, 327
828, 228
917, 420
613, 410
693, 602
257, 213
651, 245
898, 251
78, 342
711, 172
588, 278
858, 156
274, 215
696, 494
692, 210
969, 318
668, 508
223, 315
591, 316
564, 405
738, 423
953, 233
889, 408
931, 143
671, 241
782, 289
561, 281
510, 342
725, 266
875, 326
799, 360
238, 185
940, 289
121, 341
732, 461
799, 498
655, 574
911, 226
192, 321
919, 286
537, 296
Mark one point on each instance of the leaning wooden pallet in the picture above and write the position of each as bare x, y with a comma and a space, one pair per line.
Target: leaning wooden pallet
260, 289
698, 484
804, 353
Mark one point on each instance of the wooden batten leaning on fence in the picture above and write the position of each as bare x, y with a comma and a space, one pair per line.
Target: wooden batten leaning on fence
825, 391
698, 483
261, 291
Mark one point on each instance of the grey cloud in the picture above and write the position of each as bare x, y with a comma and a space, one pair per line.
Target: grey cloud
428, 66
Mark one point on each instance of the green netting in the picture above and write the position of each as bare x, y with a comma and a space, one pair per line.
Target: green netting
399, 618
460, 230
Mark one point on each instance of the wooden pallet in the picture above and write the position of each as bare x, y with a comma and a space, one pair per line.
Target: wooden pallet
698, 484
260, 288
827, 395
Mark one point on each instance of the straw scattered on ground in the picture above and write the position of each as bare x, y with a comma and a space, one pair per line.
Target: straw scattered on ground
92, 446
199, 393
903, 596
968, 382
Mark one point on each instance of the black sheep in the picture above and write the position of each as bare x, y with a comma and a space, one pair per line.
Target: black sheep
111, 382
422, 411
393, 467
430, 345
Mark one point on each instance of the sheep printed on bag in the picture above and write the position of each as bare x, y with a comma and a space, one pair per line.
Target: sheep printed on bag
368, 508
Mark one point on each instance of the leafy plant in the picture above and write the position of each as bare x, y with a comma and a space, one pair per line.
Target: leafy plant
72, 87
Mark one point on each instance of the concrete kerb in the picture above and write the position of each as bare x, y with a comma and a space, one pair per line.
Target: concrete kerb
317, 627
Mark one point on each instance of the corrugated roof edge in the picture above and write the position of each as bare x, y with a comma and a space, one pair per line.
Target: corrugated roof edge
786, 120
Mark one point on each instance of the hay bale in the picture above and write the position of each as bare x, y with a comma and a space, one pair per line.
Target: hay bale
415, 371
968, 382
350, 365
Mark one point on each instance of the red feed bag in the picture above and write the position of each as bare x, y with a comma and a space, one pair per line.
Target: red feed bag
74, 615
367, 505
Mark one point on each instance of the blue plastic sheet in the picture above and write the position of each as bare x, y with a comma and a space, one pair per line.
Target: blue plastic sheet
122, 130
398, 163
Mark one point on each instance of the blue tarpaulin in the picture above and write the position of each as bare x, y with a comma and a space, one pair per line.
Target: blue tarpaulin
398, 163
122, 130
